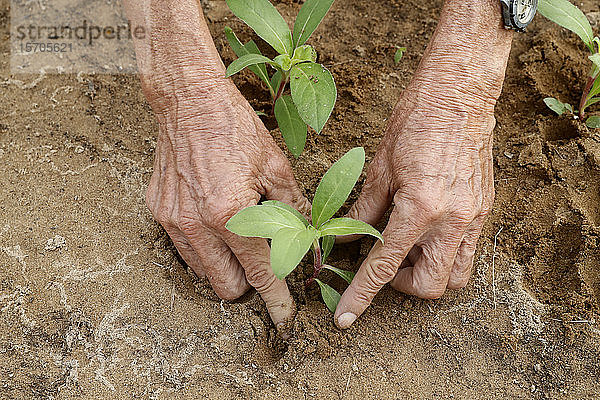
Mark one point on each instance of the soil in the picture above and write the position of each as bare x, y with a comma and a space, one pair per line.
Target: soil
95, 304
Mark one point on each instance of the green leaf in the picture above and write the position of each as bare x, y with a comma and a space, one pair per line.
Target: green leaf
326, 246
557, 106
266, 21
305, 53
345, 275
292, 127
288, 248
330, 296
595, 59
280, 204
593, 122
249, 48
276, 81
309, 17
336, 185
263, 221
261, 114
591, 102
283, 61
399, 54
314, 93
348, 226
245, 61
595, 88
567, 15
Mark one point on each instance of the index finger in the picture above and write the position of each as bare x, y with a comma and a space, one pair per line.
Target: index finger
254, 256
382, 263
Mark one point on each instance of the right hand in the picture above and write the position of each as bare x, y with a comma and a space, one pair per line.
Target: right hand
214, 157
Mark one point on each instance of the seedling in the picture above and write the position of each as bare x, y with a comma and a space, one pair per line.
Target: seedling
292, 235
567, 15
399, 54
313, 91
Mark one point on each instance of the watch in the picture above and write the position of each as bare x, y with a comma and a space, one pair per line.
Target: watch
518, 13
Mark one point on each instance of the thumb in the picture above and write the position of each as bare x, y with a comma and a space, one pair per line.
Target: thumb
376, 195
282, 185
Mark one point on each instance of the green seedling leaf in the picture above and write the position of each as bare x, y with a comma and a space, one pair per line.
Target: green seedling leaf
263, 221
241, 50
595, 89
283, 61
245, 61
279, 204
314, 93
288, 248
292, 127
276, 81
330, 296
596, 60
592, 101
593, 122
261, 114
309, 17
336, 185
266, 21
567, 15
305, 53
345, 275
348, 226
326, 247
557, 106
399, 54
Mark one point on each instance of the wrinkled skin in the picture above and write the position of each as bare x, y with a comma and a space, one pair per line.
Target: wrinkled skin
434, 164
208, 169
214, 157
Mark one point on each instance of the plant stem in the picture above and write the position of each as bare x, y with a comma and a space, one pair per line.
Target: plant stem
318, 262
584, 96
284, 81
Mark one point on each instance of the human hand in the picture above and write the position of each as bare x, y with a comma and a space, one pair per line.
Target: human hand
435, 165
209, 165
214, 156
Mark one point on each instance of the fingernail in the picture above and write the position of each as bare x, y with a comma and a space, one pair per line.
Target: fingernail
345, 320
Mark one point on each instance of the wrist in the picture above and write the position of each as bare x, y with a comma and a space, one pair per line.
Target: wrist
177, 59
467, 55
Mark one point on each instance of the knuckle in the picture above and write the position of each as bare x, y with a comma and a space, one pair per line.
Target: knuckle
230, 292
382, 271
485, 211
466, 214
260, 278
186, 224
162, 214
220, 212
428, 202
430, 292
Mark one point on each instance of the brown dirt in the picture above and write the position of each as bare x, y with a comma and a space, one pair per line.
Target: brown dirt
111, 313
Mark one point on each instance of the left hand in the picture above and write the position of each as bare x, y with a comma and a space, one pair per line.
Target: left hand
435, 163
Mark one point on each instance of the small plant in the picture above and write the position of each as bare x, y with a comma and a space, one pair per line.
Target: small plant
399, 54
313, 91
292, 235
567, 15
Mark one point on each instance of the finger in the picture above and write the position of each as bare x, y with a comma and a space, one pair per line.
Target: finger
376, 195
185, 250
253, 255
282, 186
220, 265
428, 278
381, 264
463, 263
